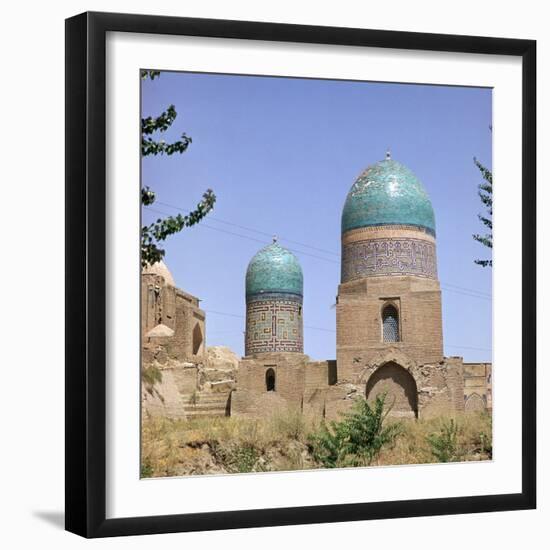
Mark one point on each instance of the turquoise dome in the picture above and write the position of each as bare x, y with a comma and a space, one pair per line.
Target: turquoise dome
388, 193
274, 269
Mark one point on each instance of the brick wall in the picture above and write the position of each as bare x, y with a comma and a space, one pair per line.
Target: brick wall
252, 396
359, 321
478, 387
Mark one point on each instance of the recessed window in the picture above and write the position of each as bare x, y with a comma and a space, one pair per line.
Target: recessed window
390, 324
270, 380
197, 339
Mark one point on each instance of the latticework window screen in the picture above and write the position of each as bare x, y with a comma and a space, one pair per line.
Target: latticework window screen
390, 324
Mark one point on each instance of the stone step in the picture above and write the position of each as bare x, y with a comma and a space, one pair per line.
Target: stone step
204, 406
207, 404
205, 414
205, 401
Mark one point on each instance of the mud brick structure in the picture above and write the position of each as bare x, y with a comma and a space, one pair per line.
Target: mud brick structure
389, 336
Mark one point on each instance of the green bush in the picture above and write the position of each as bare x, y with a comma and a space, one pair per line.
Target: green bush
444, 444
146, 470
149, 377
239, 459
358, 438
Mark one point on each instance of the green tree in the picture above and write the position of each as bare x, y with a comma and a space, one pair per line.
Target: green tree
156, 233
358, 438
485, 192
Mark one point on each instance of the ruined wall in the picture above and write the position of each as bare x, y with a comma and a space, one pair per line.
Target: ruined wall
418, 380
158, 303
438, 386
171, 319
478, 390
171, 396
190, 390
189, 340
254, 397
414, 390
173, 343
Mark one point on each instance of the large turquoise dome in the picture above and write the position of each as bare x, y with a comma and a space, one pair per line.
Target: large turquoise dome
274, 269
387, 193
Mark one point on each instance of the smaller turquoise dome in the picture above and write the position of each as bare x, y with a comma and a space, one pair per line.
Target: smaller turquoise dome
387, 193
274, 269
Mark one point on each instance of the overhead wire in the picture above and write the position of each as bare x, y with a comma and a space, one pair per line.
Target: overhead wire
448, 287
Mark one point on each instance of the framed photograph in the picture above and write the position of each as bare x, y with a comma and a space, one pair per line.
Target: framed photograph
291, 294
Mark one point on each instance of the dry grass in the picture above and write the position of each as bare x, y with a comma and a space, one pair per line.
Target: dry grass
279, 443
474, 439
160, 447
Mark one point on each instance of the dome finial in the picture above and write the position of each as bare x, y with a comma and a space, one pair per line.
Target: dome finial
388, 154
275, 239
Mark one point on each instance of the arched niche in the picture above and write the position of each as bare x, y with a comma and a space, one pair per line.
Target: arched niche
197, 339
270, 379
474, 403
398, 385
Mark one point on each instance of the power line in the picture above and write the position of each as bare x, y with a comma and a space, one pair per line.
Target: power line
243, 317
223, 313
467, 347
480, 292
333, 331
253, 230
480, 297
470, 292
202, 224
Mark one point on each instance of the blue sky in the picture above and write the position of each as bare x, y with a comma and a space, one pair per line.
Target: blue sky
281, 155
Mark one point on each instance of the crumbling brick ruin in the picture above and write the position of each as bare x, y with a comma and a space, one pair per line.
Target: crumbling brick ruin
389, 336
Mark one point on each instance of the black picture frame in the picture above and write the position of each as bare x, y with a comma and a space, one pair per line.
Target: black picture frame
86, 274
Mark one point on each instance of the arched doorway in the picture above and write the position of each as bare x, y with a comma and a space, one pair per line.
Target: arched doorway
474, 403
270, 380
398, 385
197, 339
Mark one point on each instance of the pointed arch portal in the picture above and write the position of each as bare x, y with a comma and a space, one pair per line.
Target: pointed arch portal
398, 385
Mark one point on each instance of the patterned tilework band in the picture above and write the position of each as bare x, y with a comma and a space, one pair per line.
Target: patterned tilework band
394, 251
274, 323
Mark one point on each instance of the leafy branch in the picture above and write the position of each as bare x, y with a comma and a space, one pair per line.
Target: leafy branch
485, 192
160, 230
149, 74
154, 234
358, 438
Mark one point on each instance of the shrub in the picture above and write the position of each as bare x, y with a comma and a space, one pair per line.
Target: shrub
477, 433
243, 459
238, 458
149, 377
444, 445
357, 439
146, 469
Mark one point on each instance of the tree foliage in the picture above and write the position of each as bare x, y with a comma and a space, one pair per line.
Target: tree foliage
154, 234
485, 192
358, 438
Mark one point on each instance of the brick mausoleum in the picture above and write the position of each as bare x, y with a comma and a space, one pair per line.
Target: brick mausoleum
389, 334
